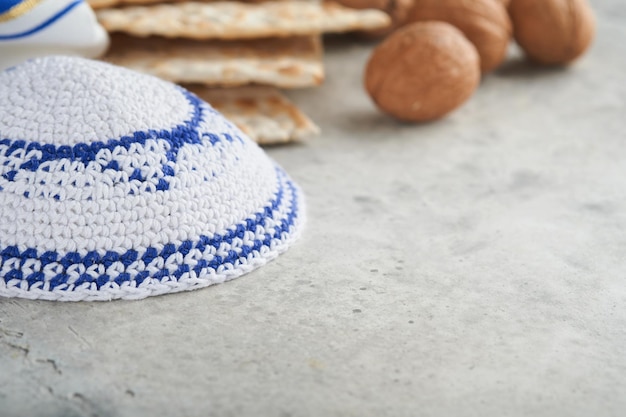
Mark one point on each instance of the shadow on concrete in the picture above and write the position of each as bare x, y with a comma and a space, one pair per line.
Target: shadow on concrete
521, 67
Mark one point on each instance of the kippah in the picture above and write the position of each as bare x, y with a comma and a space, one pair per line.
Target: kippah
115, 185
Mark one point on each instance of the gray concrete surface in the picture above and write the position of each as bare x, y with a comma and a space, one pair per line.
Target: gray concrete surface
471, 267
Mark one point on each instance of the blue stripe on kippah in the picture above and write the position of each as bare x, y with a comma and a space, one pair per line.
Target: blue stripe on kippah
13, 253
42, 25
179, 136
84, 152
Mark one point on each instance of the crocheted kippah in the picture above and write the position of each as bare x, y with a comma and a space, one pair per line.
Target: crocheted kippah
115, 184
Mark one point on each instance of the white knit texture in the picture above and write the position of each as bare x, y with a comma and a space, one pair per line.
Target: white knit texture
57, 101
120, 185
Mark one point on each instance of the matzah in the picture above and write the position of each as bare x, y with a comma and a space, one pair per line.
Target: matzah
101, 4
263, 113
234, 20
282, 62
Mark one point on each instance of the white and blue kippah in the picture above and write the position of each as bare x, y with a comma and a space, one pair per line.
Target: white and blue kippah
115, 185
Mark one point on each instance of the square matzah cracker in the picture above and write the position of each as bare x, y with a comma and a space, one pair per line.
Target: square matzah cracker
282, 62
101, 4
234, 20
264, 114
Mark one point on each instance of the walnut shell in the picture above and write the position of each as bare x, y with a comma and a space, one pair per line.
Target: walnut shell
484, 22
553, 32
423, 71
398, 10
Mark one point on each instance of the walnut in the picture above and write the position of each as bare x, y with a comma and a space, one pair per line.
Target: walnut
553, 32
484, 22
422, 71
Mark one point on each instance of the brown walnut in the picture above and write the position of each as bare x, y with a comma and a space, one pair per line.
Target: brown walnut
553, 32
422, 71
484, 22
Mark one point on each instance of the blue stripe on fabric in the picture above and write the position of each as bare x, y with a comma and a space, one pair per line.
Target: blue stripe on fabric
85, 153
42, 25
179, 136
110, 257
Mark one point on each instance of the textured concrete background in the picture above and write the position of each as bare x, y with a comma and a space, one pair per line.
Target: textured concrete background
471, 267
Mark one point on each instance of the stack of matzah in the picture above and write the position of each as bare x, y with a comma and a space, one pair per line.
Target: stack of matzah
218, 47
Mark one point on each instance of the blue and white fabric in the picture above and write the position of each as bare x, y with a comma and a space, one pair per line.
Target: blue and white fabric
36, 28
115, 185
